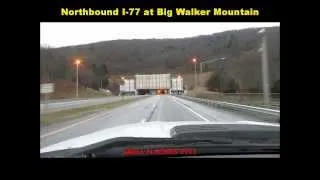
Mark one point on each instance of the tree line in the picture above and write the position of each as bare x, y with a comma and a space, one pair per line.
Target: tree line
225, 84
52, 68
241, 70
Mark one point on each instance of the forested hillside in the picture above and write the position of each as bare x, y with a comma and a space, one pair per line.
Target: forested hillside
241, 70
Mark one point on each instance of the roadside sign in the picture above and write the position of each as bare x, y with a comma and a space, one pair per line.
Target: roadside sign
46, 88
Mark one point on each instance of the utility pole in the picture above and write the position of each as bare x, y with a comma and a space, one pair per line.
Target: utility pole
129, 86
265, 72
177, 85
77, 86
195, 72
265, 69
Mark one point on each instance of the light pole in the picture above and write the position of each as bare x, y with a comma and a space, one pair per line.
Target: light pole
194, 60
180, 84
124, 84
210, 61
77, 85
265, 69
176, 85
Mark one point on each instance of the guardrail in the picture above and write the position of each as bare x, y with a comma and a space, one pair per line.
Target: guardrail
42, 101
58, 106
264, 113
250, 99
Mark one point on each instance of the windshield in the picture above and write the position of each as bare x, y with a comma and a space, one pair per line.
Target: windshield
166, 84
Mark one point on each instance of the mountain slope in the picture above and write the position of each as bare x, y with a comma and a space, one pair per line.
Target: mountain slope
240, 47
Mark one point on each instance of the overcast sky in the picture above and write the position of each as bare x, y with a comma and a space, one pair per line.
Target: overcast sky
66, 34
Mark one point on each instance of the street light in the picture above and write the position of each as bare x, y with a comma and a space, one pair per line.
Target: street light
180, 84
177, 89
210, 61
77, 63
265, 70
194, 60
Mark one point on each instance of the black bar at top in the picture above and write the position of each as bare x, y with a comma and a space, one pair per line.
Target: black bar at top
51, 11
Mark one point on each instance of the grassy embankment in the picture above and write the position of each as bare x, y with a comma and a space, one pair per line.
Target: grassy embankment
67, 90
70, 114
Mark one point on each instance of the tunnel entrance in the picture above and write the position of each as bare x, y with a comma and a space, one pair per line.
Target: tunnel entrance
162, 91
152, 91
143, 91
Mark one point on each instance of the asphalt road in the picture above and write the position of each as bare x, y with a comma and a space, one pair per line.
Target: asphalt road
153, 108
62, 105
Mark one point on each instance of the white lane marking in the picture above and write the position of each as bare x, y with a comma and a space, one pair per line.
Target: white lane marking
152, 109
160, 110
72, 125
212, 115
259, 123
191, 110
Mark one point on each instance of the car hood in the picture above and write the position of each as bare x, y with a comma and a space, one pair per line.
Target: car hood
142, 130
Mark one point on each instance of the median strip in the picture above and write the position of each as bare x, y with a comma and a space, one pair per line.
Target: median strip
70, 114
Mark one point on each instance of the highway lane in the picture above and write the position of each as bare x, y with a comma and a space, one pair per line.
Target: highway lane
63, 105
168, 110
131, 113
153, 108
